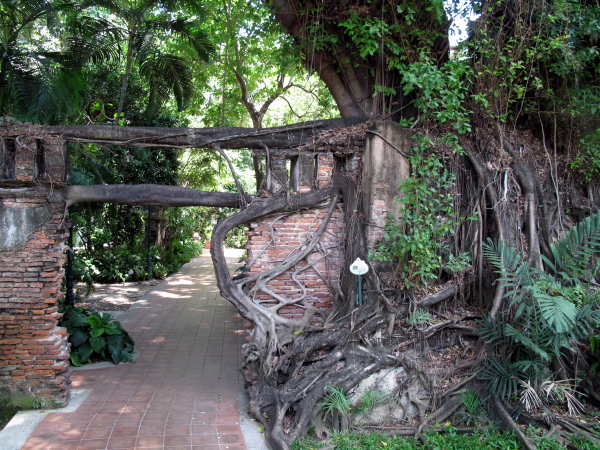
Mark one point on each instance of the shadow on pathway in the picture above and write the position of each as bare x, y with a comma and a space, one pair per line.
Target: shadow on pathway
180, 393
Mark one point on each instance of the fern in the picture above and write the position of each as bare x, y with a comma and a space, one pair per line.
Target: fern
551, 309
335, 401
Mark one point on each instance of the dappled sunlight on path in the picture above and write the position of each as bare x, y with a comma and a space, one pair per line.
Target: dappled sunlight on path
180, 393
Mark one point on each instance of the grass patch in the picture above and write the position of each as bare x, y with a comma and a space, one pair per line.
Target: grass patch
491, 438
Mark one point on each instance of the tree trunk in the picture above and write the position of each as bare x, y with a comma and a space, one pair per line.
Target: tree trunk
128, 68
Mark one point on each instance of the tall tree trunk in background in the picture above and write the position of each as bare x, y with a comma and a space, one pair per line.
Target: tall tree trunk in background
128, 69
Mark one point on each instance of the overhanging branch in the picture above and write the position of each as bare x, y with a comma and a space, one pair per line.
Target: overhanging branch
227, 137
149, 194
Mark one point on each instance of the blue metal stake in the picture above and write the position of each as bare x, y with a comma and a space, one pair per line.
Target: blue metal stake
360, 289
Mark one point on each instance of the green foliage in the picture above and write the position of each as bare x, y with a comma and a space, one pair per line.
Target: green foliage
368, 400
418, 317
446, 439
474, 413
336, 401
96, 336
416, 242
15, 400
35, 83
307, 443
121, 264
450, 440
587, 160
372, 441
552, 309
441, 92
581, 443
146, 36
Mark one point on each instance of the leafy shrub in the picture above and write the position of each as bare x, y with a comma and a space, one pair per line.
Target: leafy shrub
479, 440
588, 156
372, 441
552, 309
121, 264
96, 336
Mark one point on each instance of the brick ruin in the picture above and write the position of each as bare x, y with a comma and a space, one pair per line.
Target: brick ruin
372, 161
34, 352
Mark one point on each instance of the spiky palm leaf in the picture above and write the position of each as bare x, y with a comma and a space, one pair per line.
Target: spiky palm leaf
93, 39
573, 253
167, 73
188, 31
502, 376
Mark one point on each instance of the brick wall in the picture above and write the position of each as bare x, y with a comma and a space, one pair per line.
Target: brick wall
274, 237
34, 351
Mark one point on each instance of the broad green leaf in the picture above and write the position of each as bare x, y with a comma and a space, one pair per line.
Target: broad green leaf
74, 357
84, 352
557, 312
94, 321
78, 338
126, 356
109, 330
96, 332
115, 340
115, 353
97, 344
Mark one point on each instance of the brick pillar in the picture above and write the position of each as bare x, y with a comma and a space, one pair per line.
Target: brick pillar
34, 351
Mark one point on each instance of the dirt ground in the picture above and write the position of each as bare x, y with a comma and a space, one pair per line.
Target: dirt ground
113, 297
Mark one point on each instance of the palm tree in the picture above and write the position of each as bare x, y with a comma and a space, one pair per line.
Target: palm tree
144, 31
30, 73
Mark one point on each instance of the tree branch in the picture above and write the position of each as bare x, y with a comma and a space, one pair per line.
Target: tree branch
149, 194
226, 137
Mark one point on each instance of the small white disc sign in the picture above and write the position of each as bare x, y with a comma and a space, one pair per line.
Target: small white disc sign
359, 267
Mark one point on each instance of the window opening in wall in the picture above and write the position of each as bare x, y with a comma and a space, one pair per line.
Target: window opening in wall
316, 173
8, 159
39, 168
294, 171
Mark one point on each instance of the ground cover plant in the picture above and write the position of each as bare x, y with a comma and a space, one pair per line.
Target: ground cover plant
96, 336
445, 438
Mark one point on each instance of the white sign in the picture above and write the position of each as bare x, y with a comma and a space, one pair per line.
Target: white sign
359, 267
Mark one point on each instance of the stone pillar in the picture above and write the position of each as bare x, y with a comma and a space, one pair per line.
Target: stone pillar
383, 168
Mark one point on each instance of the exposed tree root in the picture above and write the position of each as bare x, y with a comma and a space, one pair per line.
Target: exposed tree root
510, 424
445, 411
578, 428
445, 293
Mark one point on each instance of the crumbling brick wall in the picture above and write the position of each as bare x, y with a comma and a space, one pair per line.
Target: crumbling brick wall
34, 351
274, 237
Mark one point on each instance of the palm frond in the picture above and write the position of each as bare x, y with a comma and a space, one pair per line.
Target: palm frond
189, 31
529, 397
574, 252
491, 330
502, 376
523, 339
556, 311
170, 71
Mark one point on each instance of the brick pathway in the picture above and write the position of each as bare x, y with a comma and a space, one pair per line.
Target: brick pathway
181, 393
